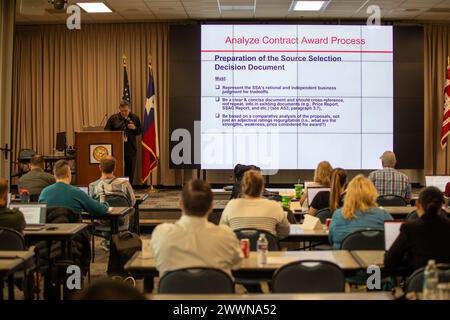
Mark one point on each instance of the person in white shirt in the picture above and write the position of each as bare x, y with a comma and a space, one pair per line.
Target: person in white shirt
253, 211
193, 241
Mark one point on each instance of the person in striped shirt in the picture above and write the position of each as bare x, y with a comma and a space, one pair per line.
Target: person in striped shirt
389, 181
253, 211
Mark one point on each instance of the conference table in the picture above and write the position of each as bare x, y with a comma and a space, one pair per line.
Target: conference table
250, 269
377, 295
113, 215
140, 198
63, 232
10, 262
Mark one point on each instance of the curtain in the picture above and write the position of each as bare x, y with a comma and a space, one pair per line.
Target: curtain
437, 48
66, 79
7, 17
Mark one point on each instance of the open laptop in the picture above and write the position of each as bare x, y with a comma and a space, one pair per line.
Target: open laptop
391, 232
34, 214
437, 181
84, 189
313, 191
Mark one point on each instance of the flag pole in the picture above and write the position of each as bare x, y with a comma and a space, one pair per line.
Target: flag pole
152, 189
446, 149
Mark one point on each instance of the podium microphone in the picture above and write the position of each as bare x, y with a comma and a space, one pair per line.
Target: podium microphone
104, 117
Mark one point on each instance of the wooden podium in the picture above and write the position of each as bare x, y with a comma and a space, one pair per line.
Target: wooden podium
90, 147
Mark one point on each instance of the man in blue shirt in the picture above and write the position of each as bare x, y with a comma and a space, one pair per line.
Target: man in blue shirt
63, 194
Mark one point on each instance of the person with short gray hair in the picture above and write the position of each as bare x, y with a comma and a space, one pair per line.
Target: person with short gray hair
390, 181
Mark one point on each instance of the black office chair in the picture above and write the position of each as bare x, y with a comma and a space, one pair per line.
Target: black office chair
308, 276
366, 239
196, 280
11, 240
415, 281
413, 215
253, 236
391, 201
323, 215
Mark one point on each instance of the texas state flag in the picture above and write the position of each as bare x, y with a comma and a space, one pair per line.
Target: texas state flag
150, 133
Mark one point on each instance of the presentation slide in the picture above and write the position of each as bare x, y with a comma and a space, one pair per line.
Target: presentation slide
290, 96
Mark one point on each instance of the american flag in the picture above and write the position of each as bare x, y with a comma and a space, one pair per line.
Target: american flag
150, 150
126, 86
446, 118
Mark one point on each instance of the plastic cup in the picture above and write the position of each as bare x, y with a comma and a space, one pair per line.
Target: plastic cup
327, 222
298, 191
286, 201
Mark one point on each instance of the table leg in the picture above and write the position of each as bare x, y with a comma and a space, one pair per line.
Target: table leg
11, 287
1, 287
148, 284
136, 226
114, 226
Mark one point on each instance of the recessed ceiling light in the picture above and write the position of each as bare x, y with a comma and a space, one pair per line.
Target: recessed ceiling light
94, 7
308, 5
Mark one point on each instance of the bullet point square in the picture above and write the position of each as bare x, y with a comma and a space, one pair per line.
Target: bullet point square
217, 99
217, 86
217, 115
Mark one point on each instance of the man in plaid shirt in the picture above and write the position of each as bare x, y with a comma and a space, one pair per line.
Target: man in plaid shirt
389, 181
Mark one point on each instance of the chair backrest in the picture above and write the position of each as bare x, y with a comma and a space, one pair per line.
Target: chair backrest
117, 200
391, 201
308, 276
196, 280
26, 153
62, 215
366, 239
415, 281
413, 215
253, 236
323, 215
11, 240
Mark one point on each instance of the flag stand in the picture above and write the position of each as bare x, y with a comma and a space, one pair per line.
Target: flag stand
151, 189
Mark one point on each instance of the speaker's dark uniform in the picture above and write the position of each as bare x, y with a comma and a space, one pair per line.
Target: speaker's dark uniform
118, 123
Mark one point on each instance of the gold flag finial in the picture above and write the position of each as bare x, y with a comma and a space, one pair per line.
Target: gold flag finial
150, 61
124, 60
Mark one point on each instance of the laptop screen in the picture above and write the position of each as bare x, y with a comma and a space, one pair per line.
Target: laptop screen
312, 192
33, 213
391, 232
84, 189
437, 181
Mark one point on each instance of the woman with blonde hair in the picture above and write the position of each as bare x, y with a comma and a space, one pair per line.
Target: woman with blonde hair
332, 199
360, 211
253, 211
322, 177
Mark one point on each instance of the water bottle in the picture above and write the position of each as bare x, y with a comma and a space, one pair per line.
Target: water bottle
263, 247
24, 195
430, 281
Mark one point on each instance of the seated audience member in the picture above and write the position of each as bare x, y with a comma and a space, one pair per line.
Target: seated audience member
108, 289
12, 219
109, 185
422, 239
253, 211
360, 211
389, 181
193, 241
36, 179
63, 194
332, 199
322, 177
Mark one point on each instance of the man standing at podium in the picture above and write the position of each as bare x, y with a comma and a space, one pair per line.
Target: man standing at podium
130, 124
